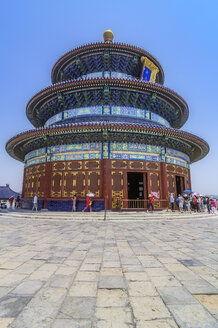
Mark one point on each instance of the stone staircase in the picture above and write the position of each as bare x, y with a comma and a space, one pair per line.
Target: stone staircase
102, 216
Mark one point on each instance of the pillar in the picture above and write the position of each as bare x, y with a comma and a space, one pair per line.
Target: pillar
48, 180
106, 183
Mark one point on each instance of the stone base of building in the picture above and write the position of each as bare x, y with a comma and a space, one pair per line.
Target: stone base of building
115, 183
63, 205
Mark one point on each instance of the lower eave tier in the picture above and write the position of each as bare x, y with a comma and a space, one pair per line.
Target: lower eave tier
152, 134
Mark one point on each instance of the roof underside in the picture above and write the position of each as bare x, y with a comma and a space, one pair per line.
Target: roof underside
102, 57
75, 94
149, 133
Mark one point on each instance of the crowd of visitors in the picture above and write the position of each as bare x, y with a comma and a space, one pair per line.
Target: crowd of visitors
193, 203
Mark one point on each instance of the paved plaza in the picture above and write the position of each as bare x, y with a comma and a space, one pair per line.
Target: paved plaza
101, 274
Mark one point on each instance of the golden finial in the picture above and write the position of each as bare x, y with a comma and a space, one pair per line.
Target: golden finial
108, 36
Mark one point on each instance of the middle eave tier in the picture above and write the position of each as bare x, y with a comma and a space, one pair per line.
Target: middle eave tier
74, 94
102, 131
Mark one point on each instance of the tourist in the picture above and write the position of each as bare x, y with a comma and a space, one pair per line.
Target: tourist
11, 200
189, 205
181, 203
213, 207
204, 203
194, 200
35, 203
74, 203
177, 202
172, 201
198, 204
185, 204
150, 203
17, 202
88, 204
208, 205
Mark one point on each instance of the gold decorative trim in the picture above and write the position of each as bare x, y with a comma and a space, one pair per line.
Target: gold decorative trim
149, 64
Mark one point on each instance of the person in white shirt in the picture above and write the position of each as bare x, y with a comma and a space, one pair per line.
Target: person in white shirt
172, 201
181, 203
35, 202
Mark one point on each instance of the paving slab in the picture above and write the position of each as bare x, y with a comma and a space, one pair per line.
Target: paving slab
193, 316
78, 307
11, 305
112, 282
176, 295
72, 323
210, 302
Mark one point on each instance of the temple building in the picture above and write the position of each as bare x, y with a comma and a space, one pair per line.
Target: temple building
106, 125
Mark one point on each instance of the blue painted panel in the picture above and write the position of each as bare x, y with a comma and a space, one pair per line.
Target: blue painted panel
146, 75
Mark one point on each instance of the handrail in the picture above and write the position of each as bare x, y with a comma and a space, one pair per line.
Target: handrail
140, 204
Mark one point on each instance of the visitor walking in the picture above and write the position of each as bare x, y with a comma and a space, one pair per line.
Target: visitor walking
177, 202
213, 207
150, 203
199, 204
189, 205
204, 203
88, 204
181, 203
35, 203
11, 200
185, 204
195, 204
17, 202
172, 201
208, 205
74, 202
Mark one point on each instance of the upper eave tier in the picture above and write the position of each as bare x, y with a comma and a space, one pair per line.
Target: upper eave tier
139, 94
147, 132
96, 57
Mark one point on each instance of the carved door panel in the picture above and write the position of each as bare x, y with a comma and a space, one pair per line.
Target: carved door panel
155, 186
69, 184
94, 183
56, 185
117, 187
27, 186
80, 183
33, 185
41, 185
171, 184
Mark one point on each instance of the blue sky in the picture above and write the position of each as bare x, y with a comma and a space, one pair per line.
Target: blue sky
182, 35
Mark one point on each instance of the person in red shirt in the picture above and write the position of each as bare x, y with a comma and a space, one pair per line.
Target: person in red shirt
88, 204
195, 204
150, 203
11, 199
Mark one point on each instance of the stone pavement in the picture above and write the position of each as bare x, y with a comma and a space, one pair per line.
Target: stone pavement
101, 274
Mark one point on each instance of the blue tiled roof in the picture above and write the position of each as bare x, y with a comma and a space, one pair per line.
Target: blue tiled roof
6, 192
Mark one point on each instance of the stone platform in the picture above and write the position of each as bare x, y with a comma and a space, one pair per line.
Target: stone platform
104, 215
133, 270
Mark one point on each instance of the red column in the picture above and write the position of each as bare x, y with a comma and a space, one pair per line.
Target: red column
189, 178
149, 182
24, 179
163, 179
106, 183
48, 180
